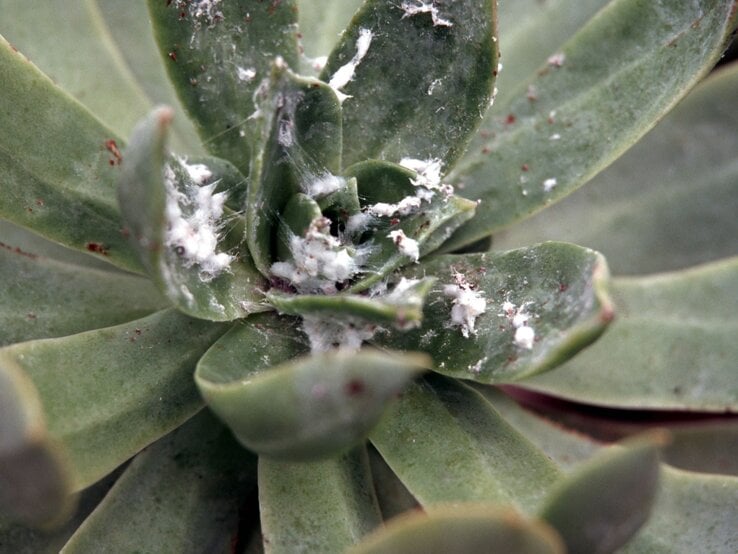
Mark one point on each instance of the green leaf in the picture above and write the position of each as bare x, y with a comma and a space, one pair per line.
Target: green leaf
44, 298
77, 44
402, 308
29, 242
462, 529
648, 211
693, 512
531, 31
710, 447
35, 480
58, 165
182, 494
322, 506
675, 344
608, 84
299, 144
447, 444
321, 25
106, 394
423, 105
129, 36
172, 215
556, 290
605, 502
217, 55
302, 408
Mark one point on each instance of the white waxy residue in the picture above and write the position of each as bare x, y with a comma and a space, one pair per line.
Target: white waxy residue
549, 184
327, 334
468, 304
520, 318
407, 246
193, 213
319, 260
245, 75
345, 73
418, 6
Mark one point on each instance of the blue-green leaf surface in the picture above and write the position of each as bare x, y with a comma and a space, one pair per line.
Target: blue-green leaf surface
182, 494
424, 105
323, 506
106, 394
217, 55
615, 78
669, 202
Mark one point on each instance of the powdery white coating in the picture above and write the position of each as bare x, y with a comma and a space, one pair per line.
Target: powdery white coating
468, 304
319, 260
429, 171
407, 246
203, 9
413, 8
549, 184
345, 73
326, 334
406, 206
524, 337
244, 74
193, 220
358, 222
556, 60
199, 173
324, 185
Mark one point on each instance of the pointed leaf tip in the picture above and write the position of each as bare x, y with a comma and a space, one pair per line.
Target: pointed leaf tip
603, 504
307, 408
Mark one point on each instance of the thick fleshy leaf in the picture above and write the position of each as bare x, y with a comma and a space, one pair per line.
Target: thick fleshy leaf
673, 347
321, 25
305, 408
423, 105
58, 165
670, 202
217, 55
554, 290
607, 500
44, 298
182, 494
128, 35
323, 506
447, 444
35, 481
172, 215
299, 143
401, 308
106, 394
531, 31
593, 87
693, 512
75, 45
29, 242
462, 529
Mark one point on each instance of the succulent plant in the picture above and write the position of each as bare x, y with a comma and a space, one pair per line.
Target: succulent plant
298, 311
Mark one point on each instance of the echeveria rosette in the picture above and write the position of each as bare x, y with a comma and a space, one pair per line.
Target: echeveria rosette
375, 140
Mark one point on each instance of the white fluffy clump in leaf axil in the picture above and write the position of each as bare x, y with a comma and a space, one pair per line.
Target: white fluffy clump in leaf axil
319, 260
193, 217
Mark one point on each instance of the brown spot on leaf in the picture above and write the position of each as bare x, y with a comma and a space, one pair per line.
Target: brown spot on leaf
112, 147
97, 248
355, 387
